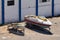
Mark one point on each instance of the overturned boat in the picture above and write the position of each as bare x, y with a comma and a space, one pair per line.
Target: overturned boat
38, 20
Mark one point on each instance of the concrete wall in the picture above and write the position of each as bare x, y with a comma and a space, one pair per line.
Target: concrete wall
28, 7
44, 8
12, 12
57, 7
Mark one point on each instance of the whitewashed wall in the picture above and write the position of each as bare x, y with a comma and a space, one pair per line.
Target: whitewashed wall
0, 13
28, 3
28, 7
57, 7
11, 12
44, 8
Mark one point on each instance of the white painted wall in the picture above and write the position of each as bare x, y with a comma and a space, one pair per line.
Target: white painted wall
57, 1
28, 7
28, 3
44, 9
0, 13
28, 11
11, 12
57, 7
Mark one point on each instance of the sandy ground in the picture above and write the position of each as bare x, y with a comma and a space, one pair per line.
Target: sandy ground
36, 34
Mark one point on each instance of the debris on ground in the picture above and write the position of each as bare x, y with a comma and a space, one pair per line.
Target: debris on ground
17, 28
33, 34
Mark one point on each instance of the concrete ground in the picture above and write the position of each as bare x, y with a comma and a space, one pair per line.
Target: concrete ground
34, 34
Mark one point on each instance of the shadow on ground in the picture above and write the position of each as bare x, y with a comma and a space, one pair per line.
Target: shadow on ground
39, 30
20, 33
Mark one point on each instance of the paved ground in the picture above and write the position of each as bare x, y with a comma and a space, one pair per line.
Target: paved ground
34, 34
